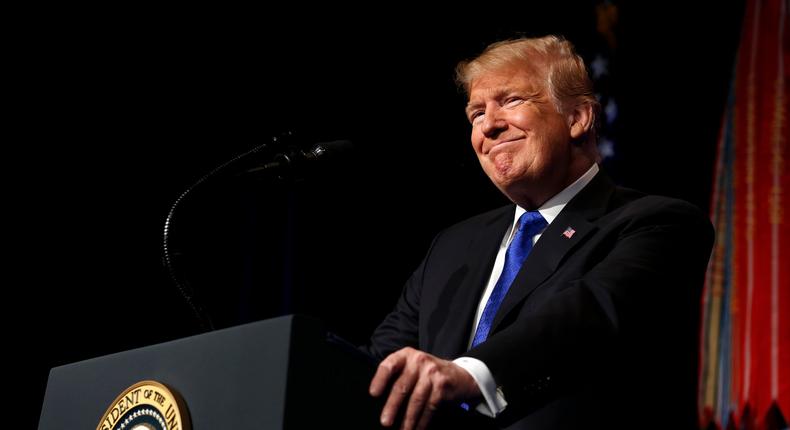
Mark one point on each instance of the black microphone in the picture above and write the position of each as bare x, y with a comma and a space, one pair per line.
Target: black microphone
295, 161
286, 163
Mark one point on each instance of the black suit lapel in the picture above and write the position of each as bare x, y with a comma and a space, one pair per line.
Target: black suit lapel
553, 245
450, 340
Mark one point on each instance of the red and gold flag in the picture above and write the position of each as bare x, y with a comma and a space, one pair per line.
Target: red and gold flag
745, 342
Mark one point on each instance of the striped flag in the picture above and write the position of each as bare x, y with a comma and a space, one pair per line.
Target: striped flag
745, 342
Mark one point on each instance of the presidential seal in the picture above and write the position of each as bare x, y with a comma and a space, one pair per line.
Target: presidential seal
146, 405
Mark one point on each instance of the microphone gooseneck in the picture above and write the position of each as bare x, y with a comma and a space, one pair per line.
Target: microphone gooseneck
200, 314
285, 163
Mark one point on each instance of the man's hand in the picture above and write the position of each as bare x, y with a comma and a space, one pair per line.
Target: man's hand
425, 381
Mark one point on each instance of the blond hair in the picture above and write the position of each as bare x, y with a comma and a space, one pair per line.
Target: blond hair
563, 70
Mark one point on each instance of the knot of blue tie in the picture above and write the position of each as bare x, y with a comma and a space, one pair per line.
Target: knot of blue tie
529, 224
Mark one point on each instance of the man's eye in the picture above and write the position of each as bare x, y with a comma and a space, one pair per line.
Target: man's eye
513, 101
475, 117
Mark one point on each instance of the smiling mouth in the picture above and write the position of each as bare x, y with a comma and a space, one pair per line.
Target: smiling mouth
503, 144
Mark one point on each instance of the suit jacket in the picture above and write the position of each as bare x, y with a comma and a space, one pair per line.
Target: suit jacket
599, 328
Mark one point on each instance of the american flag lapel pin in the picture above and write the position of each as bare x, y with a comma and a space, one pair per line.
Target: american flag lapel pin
569, 232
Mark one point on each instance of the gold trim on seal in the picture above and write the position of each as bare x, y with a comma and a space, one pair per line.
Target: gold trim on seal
152, 393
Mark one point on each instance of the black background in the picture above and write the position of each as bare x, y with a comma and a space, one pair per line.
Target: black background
119, 111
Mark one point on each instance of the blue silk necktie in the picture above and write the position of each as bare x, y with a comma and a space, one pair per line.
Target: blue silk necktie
529, 224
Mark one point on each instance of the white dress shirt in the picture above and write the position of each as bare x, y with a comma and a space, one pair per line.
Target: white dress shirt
494, 399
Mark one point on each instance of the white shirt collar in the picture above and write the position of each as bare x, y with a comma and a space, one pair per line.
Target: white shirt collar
554, 205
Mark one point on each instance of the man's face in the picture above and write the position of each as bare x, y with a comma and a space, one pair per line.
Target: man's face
522, 142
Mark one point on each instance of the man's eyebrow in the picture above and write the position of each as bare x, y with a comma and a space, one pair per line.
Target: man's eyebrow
472, 106
502, 93
496, 93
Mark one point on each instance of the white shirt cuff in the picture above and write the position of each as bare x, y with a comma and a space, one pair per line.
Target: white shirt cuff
494, 399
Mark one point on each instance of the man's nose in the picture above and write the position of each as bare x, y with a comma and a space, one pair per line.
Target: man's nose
493, 123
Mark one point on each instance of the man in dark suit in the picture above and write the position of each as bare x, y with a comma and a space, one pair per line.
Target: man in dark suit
576, 307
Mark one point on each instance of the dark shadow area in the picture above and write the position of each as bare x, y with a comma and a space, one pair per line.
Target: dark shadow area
124, 112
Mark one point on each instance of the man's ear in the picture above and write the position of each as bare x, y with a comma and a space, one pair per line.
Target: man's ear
580, 120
